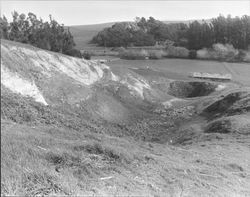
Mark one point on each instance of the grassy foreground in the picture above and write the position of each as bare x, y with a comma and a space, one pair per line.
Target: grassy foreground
47, 160
38, 160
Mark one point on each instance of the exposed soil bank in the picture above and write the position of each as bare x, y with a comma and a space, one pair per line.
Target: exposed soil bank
231, 104
233, 124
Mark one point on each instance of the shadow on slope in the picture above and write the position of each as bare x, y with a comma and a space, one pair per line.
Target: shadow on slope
224, 117
190, 89
233, 103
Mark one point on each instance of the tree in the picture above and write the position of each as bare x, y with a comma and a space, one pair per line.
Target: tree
196, 35
246, 32
46, 35
220, 29
140, 38
4, 28
120, 34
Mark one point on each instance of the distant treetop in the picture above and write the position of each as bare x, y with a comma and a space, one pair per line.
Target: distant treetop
43, 34
195, 35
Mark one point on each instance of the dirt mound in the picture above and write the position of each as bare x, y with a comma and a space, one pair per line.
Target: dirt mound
189, 89
231, 104
232, 124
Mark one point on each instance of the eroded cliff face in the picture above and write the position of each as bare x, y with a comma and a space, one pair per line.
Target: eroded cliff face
54, 79
24, 67
35, 73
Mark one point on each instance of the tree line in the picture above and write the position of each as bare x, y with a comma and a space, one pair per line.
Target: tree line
43, 34
195, 35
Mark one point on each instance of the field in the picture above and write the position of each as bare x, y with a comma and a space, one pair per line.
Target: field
180, 68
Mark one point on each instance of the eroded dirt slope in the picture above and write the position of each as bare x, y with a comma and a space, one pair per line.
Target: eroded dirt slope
76, 127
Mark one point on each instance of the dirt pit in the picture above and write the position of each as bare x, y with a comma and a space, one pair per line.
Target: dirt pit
190, 89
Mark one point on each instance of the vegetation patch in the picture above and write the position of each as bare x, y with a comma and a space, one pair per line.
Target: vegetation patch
192, 54
219, 126
156, 54
177, 52
132, 54
63, 160
46, 35
43, 184
223, 52
196, 35
25, 110
110, 153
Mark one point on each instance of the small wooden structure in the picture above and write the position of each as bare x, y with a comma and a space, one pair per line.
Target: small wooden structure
211, 76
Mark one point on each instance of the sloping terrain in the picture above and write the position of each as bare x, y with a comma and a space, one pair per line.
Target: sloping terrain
75, 127
83, 34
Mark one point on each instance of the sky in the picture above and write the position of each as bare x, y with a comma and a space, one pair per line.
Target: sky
93, 12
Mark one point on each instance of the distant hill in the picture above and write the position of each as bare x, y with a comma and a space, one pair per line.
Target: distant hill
186, 21
84, 33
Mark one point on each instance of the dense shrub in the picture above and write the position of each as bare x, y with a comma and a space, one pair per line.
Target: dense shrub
203, 54
155, 54
224, 52
192, 54
134, 54
241, 55
178, 52
86, 55
74, 53
247, 56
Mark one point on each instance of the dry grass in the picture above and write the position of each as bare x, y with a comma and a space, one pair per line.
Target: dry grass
42, 160
47, 160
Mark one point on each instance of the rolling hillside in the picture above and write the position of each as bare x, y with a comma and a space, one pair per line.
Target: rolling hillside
84, 33
73, 127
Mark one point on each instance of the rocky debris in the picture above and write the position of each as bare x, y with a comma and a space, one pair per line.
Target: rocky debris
175, 113
172, 102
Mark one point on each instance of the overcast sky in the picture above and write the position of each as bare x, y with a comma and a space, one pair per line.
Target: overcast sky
92, 12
